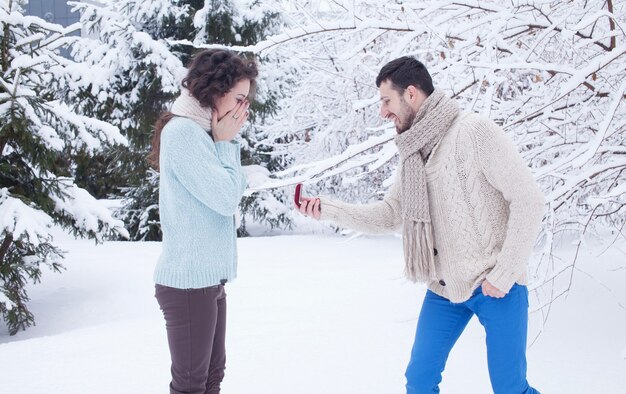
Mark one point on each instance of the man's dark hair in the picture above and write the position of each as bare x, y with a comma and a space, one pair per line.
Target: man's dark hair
405, 71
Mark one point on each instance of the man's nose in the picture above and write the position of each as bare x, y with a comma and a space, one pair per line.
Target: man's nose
383, 112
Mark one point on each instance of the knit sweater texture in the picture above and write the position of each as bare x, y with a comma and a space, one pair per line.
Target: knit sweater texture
201, 184
486, 209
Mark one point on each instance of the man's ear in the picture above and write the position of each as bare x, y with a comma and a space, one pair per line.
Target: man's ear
412, 94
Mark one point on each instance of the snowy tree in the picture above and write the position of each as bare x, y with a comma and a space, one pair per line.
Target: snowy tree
39, 135
551, 73
143, 47
139, 76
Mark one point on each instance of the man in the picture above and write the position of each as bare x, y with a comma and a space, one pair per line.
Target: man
469, 210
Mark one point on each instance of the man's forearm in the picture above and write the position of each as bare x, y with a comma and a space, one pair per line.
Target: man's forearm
378, 218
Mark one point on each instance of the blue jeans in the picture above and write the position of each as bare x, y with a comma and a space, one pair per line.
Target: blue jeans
440, 324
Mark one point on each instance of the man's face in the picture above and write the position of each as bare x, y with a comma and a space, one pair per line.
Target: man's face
400, 108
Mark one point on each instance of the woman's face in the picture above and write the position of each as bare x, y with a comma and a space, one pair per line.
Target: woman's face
229, 101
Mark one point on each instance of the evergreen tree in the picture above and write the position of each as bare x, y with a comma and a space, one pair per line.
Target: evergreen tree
140, 75
142, 47
40, 136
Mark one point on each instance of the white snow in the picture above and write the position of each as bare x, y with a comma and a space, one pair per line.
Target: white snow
256, 175
308, 314
89, 213
326, 314
7, 302
23, 221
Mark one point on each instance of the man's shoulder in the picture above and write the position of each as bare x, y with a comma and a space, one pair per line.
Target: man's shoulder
475, 126
467, 119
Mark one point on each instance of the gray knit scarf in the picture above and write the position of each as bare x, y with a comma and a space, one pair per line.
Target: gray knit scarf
187, 106
432, 121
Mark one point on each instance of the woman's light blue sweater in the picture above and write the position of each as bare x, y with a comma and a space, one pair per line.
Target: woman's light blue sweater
201, 184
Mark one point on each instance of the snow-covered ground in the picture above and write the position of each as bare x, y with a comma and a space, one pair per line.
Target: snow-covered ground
309, 314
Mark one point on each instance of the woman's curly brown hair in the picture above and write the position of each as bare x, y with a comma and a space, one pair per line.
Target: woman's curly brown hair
211, 74
214, 72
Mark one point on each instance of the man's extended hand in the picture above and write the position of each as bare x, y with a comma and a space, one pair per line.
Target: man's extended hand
310, 207
491, 291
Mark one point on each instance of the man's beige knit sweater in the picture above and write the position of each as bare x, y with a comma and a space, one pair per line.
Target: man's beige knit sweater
486, 209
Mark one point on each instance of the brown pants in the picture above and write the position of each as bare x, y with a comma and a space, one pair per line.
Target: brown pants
195, 320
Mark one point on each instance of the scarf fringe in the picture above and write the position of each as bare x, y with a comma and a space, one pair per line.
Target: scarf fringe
431, 123
419, 255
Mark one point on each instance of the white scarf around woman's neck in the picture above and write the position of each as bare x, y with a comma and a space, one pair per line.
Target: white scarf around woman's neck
189, 107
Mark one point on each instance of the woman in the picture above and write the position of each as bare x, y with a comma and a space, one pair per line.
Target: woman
201, 184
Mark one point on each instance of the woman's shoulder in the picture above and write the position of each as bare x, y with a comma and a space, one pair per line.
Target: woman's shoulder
181, 127
182, 124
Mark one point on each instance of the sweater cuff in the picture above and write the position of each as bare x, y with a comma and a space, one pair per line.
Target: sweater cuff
502, 278
329, 210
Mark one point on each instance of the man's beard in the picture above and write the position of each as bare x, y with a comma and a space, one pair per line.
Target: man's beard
406, 116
